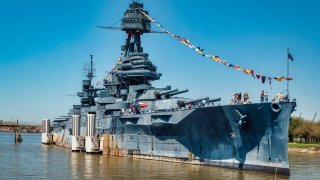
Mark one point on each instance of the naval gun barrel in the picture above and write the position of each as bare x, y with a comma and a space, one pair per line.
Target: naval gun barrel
183, 103
196, 100
62, 118
214, 100
178, 92
159, 94
167, 92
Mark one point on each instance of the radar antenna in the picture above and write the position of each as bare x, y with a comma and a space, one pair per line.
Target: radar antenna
119, 29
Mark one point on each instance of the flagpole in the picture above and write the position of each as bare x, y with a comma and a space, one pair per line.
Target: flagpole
288, 97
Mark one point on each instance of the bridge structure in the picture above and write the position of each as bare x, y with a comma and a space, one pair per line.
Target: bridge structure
15, 126
10, 128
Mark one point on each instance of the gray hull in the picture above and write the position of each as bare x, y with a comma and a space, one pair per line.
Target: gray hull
214, 136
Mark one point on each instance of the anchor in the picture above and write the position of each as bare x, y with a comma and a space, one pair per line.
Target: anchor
242, 120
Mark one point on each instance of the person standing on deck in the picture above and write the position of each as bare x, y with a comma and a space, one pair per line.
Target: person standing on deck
279, 97
246, 99
234, 100
262, 96
266, 96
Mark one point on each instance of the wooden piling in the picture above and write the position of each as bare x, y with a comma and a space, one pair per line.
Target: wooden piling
15, 136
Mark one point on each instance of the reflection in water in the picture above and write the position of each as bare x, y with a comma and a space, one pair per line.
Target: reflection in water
74, 165
88, 166
32, 160
44, 160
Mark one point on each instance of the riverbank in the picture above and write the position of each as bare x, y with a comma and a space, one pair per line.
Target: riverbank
10, 127
304, 148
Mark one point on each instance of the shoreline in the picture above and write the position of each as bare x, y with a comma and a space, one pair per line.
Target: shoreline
304, 148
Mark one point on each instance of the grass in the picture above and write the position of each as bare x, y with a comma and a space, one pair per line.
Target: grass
300, 145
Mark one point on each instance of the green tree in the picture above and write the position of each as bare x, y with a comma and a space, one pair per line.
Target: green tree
295, 122
304, 129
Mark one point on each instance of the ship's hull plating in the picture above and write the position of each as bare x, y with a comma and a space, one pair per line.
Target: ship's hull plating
248, 137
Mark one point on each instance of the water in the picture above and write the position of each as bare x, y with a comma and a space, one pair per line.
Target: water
32, 160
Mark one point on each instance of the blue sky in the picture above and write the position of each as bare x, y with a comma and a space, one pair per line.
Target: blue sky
45, 44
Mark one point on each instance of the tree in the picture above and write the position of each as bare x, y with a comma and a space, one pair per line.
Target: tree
301, 128
293, 125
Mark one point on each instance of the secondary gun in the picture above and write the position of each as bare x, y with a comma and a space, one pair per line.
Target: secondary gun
158, 94
214, 100
179, 92
183, 103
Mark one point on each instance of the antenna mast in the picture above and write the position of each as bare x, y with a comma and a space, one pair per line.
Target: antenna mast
90, 73
89, 69
88, 91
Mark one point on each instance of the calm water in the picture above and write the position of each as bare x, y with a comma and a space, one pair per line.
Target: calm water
32, 160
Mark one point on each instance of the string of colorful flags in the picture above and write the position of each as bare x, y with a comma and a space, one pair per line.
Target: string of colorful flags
199, 50
113, 70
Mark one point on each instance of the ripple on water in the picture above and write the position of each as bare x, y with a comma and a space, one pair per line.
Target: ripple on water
32, 160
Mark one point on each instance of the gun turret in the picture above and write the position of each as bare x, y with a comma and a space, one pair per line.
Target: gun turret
158, 94
179, 92
214, 100
183, 103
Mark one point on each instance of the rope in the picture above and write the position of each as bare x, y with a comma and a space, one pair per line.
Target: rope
116, 23
200, 51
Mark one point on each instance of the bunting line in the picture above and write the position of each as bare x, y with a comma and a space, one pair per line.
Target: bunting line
215, 58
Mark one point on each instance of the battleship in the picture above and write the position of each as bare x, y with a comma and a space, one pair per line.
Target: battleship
129, 117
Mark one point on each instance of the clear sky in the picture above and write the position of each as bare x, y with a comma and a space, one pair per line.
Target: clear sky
44, 44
